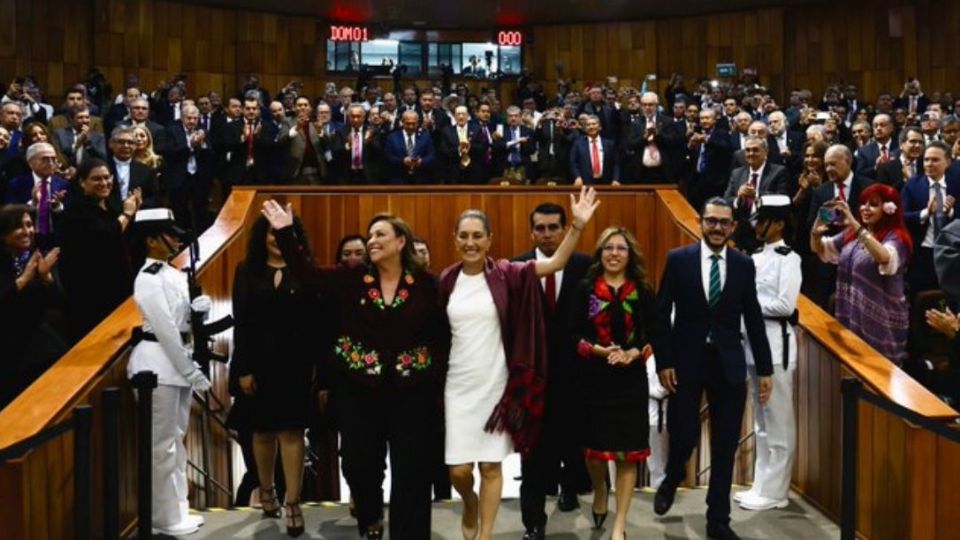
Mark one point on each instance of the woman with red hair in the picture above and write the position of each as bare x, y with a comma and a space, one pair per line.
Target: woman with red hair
871, 254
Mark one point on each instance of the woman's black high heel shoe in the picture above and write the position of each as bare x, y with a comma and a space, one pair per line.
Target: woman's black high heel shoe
294, 514
375, 532
269, 503
598, 520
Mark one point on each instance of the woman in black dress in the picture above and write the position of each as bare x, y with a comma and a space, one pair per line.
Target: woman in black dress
95, 266
613, 320
28, 345
275, 364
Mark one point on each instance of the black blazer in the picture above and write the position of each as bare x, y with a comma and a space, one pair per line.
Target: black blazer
683, 312
178, 156
449, 148
717, 155
141, 176
371, 154
561, 355
826, 192
891, 173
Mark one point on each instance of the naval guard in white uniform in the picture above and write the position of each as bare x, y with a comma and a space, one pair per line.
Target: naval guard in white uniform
163, 299
778, 287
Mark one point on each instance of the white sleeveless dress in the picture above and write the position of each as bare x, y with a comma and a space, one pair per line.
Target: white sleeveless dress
477, 375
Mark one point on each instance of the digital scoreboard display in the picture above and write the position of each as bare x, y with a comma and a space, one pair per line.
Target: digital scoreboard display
509, 38
349, 33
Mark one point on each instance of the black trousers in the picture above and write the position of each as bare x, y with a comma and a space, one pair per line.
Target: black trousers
557, 458
726, 403
370, 420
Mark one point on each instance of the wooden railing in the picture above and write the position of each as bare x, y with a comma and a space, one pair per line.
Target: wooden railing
904, 473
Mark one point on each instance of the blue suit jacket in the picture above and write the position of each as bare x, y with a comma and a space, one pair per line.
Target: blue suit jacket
397, 151
20, 189
915, 196
580, 164
681, 293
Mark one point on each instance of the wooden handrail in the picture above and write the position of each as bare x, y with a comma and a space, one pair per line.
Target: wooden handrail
876, 371
66, 383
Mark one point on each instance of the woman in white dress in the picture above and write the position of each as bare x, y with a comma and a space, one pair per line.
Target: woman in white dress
494, 311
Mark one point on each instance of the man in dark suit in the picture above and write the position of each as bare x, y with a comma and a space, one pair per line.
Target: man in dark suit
225, 167
593, 160
748, 183
705, 292
760, 130
513, 151
896, 172
168, 108
553, 147
250, 144
188, 172
844, 185
129, 174
492, 134
596, 106
79, 141
928, 206
410, 152
647, 145
710, 152
139, 116
463, 147
355, 149
880, 150
557, 457
42, 188
789, 143
911, 98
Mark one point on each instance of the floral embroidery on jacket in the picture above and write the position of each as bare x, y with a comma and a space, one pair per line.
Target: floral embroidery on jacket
599, 313
417, 359
356, 357
373, 291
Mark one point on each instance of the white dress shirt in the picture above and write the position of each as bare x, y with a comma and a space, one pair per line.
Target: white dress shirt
123, 176
929, 237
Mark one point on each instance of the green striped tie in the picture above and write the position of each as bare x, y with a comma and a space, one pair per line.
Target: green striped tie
714, 280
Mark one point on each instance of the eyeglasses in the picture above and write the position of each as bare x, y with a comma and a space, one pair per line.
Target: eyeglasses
717, 222
553, 227
613, 248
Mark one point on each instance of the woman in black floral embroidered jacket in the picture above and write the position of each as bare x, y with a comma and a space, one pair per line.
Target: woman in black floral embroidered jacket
613, 319
389, 357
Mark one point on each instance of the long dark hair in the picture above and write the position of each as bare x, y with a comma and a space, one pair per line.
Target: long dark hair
408, 255
636, 267
346, 240
256, 261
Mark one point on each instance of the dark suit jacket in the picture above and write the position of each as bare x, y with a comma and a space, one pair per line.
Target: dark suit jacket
773, 155
141, 176
96, 145
717, 155
632, 165
891, 173
580, 163
915, 197
450, 154
904, 102
20, 189
609, 119
826, 192
371, 153
868, 155
265, 161
397, 150
561, 358
555, 165
773, 180
527, 149
295, 147
157, 132
682, 295
178, 156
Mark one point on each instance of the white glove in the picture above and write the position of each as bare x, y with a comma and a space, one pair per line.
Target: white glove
201, 304
198, 381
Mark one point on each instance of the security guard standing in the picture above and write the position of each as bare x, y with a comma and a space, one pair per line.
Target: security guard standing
778, 287
163, 299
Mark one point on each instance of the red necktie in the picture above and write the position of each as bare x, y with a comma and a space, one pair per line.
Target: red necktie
357, 162
550, 291
842, 196
884, 155
595, 159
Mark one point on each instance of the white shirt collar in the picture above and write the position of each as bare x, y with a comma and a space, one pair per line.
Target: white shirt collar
774, 245
941, 181
759, 172
706, 252
37, 179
